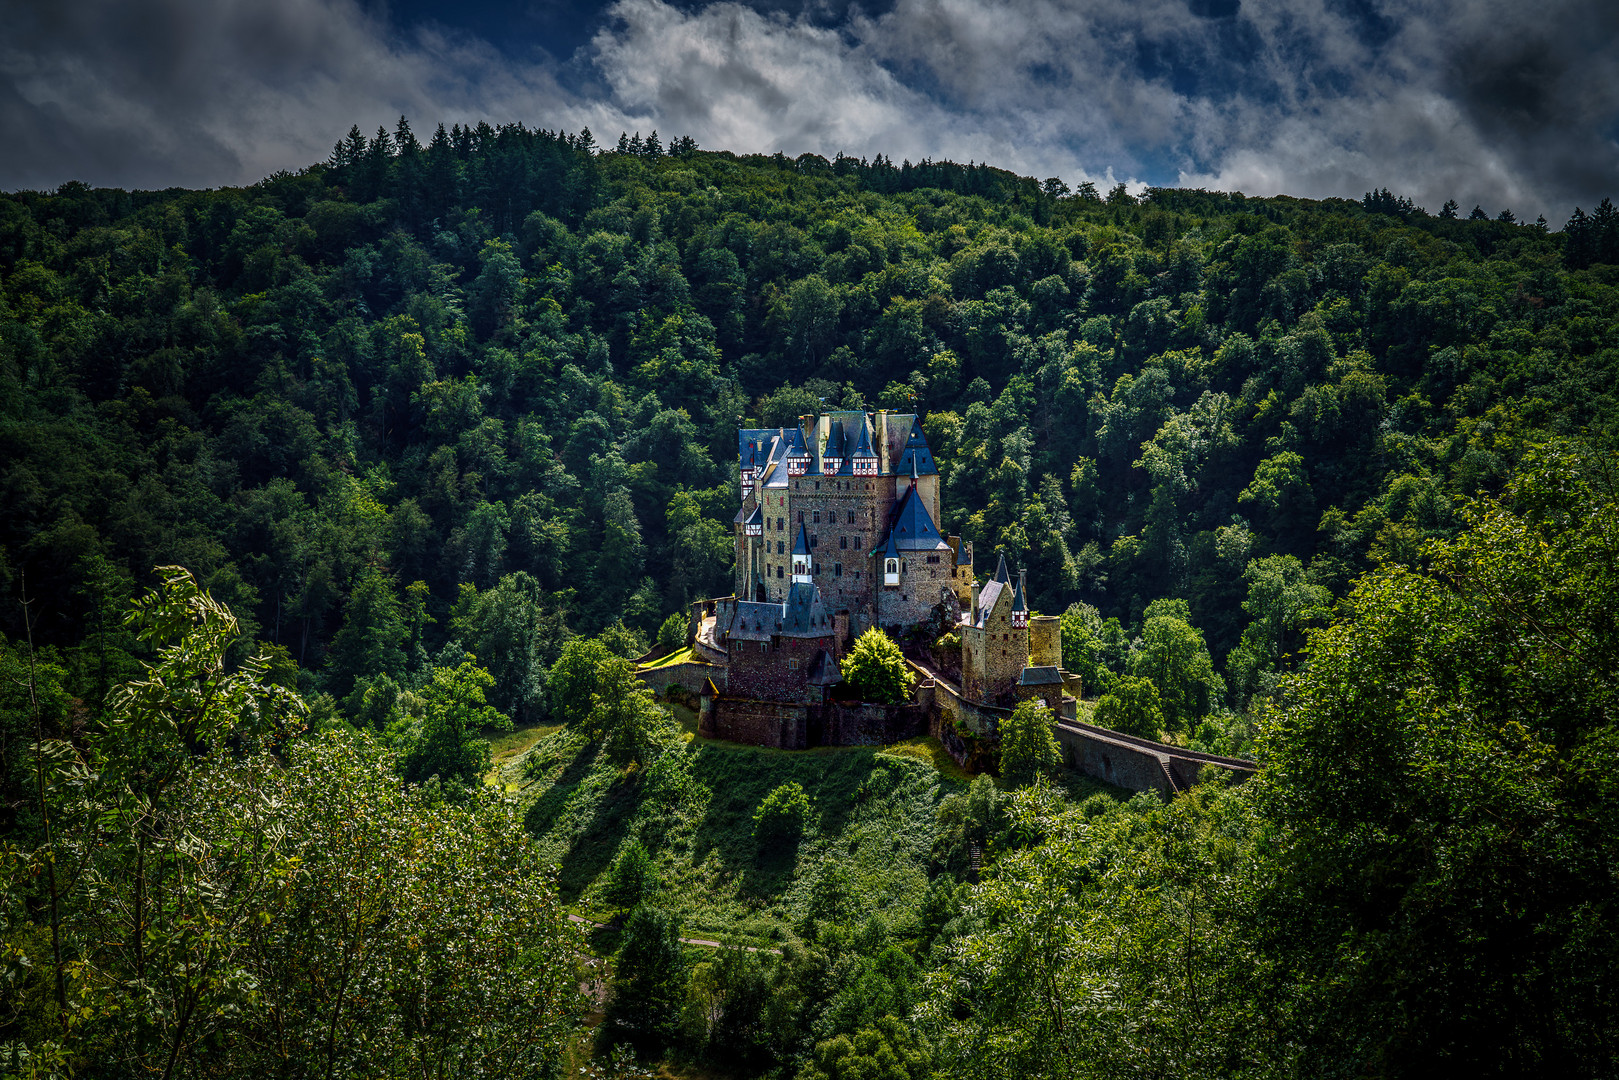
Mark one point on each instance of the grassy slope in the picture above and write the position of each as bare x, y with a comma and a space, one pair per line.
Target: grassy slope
874, 817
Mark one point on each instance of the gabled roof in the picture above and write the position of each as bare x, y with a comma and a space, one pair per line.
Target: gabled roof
803, 614
795, 442
753, 445
988, 597
776, 471
916, 459
1039, 676
835, 441
755, 621
913, 528
801, 544
862, 442
824, 670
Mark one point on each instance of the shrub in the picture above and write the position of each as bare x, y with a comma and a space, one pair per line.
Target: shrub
1028, 748
672, 634
1131, 707
783, 814
875, 669
633, 877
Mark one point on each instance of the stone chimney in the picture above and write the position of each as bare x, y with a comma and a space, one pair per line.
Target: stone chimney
974, 612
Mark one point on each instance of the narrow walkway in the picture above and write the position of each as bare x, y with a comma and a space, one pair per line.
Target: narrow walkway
684, 941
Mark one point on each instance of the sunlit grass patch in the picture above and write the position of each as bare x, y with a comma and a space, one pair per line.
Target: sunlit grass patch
929, 751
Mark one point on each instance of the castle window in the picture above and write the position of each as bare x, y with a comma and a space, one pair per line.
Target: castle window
781, 547
780, 525
857, 543
843, 542
933, 558
814, 540
851, 517
801, 517
778, 571
817, 517
837, 569
792, 663
817, 485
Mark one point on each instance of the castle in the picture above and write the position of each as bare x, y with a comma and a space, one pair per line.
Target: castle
837, 533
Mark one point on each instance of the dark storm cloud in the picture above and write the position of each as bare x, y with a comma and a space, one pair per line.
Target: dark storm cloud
1501, 104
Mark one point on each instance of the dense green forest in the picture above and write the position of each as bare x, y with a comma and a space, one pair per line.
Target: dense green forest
440, 434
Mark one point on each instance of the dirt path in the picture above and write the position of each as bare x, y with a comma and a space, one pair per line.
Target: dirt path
684, 941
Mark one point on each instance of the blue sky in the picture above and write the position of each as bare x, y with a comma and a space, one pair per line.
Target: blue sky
1502, 104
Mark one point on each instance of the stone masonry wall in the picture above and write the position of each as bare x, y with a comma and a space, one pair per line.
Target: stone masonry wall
767, 670
758, 723
690, 675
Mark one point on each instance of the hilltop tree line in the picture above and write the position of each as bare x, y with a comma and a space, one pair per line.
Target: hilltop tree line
478, 395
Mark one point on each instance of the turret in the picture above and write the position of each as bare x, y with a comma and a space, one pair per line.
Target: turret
890, 557
1020, 608
755, 523
863, 459
798, 455
832, 456
802, 563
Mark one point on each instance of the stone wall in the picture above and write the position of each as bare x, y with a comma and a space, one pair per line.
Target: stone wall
776, 670
1138, 764
757, 723
689, 675
861, 724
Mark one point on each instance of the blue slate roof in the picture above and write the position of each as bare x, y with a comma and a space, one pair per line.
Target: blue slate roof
1018, 603
988, 597
1000, 572
801, 544
963, 556
834, 441
795, 442
916, 459
755, 621
913, 528
803, 614
862, 443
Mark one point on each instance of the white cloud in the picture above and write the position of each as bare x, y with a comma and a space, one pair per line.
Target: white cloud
1488, 102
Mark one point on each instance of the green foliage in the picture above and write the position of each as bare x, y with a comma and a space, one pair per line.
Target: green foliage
572, 681
514, 629
334, 899
633, 878
884, 1051
446, 742
1029, 751
782, 815
1441, 790
623, 713
672, 632
1175, 659
649, 981
1084, 651
507, 370
1132, 706
875, 669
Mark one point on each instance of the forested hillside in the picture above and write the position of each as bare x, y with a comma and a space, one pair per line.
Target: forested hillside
423, 415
